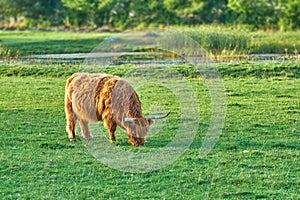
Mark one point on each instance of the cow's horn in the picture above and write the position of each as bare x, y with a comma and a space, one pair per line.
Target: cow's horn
127, 119
157, 116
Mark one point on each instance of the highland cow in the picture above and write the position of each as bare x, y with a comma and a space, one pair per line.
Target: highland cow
107, 98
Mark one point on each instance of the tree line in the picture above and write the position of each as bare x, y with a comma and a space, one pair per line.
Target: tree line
123, 14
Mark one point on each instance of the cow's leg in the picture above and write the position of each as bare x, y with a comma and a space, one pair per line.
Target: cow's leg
111, 127
85, 129
71, 120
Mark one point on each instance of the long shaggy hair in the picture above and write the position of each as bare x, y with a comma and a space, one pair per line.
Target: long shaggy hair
101, 97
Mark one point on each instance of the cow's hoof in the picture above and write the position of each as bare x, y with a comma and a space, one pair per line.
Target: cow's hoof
88, 138
72, 139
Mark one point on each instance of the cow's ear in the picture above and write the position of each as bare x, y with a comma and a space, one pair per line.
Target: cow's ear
150, 121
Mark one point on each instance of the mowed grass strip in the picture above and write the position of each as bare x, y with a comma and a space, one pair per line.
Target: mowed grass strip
257, 156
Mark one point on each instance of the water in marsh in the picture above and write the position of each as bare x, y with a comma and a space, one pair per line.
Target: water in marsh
150, 58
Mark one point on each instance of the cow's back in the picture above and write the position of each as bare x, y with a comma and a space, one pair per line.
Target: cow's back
84, 88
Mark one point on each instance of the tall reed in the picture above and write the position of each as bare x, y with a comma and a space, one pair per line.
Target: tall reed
6, 52
218, 40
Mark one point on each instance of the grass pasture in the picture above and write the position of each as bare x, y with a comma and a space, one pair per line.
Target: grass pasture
43, 42
256, 157
217, 40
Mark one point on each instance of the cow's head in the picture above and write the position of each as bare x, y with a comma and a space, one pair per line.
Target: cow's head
137, 128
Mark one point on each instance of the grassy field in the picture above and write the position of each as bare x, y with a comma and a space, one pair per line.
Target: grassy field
39, 42
257, 156
220, 41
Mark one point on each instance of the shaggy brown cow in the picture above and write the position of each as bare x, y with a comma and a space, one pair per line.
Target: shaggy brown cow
107, 98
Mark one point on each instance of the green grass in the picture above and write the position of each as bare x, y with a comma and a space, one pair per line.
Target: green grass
230, 41
217, 40
41, 42
8, 52
257, 156
276, 42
